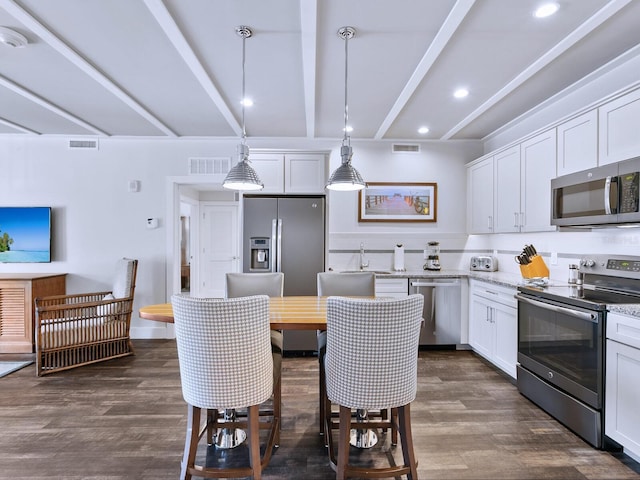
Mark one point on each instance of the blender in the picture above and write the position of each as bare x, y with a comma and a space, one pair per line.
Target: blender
432, 256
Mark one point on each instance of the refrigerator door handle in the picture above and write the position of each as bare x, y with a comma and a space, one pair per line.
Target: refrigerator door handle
279, 247
273, 251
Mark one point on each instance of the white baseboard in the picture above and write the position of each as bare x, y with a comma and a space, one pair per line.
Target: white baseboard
160, 331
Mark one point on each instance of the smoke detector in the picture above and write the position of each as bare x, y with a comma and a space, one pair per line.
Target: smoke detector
12, 38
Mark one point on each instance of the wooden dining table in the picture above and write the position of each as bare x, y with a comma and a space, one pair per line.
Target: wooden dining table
286, 313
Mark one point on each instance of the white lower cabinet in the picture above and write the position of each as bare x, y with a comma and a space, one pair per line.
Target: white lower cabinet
622, 389
392, 287
493, 324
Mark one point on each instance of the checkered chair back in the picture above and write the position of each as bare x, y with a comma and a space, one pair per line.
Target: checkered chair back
224, 350
372, 351
246, 284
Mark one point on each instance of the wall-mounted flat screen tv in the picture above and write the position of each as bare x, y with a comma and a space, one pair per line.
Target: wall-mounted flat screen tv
25, 234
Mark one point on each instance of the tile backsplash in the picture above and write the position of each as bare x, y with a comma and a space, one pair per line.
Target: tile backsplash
558, 249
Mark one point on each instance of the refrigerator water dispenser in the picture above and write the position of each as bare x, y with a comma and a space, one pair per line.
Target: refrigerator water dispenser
260, 254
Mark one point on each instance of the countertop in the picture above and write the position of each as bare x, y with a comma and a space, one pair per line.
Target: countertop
498, 278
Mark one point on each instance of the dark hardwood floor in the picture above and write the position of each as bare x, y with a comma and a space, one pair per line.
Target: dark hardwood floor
125, 419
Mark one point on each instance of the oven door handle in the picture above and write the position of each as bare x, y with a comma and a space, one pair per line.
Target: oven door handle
591, 317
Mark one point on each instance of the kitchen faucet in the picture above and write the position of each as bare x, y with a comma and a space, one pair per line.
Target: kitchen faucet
363, 265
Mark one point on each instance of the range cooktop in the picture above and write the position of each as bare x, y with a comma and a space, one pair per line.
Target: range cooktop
586, 297
607, 280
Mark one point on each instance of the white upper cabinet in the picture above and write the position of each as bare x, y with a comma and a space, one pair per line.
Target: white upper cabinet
270, 168
618, 129
480, 197
304, 173
538, 167
578, 143
290, 172
522, 185
507, 190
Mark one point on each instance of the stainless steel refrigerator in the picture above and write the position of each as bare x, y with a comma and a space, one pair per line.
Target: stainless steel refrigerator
286, 234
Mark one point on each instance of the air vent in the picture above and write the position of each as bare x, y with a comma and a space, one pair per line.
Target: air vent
209, 165
405, 148
84, 144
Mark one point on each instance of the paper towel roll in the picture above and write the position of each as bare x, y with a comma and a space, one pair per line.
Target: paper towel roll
398, 258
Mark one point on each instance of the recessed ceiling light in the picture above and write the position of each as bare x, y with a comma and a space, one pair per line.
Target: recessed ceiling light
423, 130
12, 38
461, 93
546, 10
247, 102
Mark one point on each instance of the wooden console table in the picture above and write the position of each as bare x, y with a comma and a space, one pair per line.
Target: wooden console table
17, 313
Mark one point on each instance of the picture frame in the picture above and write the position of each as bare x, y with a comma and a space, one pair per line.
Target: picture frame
398, 202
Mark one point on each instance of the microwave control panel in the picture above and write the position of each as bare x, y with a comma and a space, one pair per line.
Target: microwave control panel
629, 189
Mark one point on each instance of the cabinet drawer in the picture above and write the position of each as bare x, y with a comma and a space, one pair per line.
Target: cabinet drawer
495, 293
392, 287
623, 329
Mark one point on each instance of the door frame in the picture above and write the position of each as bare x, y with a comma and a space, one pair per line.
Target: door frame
172, 251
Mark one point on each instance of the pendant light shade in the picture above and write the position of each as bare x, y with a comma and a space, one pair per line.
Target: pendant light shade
345, 177
242, 176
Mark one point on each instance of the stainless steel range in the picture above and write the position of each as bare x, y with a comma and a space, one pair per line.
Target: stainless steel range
561, 341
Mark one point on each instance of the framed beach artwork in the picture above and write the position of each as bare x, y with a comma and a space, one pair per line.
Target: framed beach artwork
398, 202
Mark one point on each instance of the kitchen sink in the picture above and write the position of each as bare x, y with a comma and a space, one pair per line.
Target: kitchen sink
377, 272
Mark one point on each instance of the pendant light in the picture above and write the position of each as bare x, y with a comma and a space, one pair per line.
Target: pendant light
242, 176
345, 177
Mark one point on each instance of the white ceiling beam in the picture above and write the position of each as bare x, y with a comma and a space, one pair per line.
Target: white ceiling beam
20, 128
23, 92
309, 37
175, 36
601, 16
67, 52
450, 25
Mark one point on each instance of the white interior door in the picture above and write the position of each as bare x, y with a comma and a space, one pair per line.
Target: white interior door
219, 247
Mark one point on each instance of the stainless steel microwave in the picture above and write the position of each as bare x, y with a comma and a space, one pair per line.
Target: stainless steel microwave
606, 195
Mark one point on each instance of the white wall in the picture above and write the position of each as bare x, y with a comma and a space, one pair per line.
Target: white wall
95, 219
439, 162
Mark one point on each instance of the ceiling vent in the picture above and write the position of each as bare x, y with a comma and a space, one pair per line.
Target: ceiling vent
84, 144
209, 165
405, 148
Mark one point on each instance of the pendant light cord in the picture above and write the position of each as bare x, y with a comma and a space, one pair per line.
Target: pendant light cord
244, 132
346, 78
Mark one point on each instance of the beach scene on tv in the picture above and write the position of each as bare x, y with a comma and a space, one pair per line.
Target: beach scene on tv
25, 234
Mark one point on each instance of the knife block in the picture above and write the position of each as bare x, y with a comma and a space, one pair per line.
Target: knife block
536, 269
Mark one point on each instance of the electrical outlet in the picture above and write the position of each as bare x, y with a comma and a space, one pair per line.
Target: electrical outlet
554, 258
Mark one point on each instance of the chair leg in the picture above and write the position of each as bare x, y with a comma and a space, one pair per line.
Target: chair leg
277, 408
394, 426
404, 414
343, 442
212, 425
322, 390
191, 441
253, 417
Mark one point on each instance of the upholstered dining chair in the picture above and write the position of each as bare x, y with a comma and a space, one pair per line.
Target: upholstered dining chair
244, 285
226, 362
357, 284
371, 363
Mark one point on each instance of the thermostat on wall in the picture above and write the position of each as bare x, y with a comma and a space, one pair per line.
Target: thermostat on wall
152, 223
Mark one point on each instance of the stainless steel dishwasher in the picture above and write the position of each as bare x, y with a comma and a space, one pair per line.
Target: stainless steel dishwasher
442, 310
